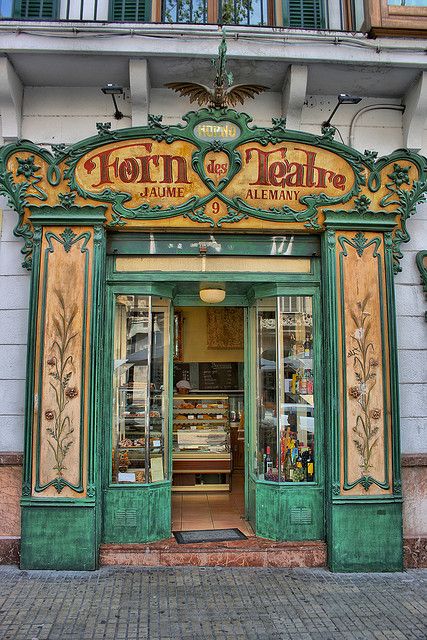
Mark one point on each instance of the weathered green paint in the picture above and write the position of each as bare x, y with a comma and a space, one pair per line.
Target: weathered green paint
393, 365
30, 370
366, 536
291, 511
61, 537
63, 533
137, 514
358, 540
421, 264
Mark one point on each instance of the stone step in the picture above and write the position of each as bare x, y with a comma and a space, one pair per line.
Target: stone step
253, 552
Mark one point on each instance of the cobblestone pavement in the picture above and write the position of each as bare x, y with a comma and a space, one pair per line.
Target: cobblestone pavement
184, 603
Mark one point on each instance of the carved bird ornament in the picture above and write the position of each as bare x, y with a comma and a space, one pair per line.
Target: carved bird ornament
223, 94
218, 97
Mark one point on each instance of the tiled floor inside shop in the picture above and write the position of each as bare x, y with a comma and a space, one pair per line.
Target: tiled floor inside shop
211, 510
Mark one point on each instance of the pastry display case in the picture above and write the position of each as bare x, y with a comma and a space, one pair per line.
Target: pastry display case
139, 451
201, 443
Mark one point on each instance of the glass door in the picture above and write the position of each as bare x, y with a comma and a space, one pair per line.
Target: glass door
140, 390
285, 389
137, 498
286, 467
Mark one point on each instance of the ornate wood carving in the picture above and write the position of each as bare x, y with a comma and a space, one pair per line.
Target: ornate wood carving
365, 387
61, 363
215, 172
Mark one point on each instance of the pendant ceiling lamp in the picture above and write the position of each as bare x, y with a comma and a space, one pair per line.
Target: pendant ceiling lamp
212, 294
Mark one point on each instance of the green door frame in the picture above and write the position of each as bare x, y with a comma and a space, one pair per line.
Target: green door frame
161, 283
307, 497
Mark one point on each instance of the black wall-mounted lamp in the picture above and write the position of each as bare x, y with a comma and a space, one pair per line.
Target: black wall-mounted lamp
343, 98
114, 90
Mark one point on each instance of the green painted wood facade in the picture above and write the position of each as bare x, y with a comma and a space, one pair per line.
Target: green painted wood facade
359, 514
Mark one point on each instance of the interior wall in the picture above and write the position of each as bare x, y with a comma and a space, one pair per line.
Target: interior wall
195, 339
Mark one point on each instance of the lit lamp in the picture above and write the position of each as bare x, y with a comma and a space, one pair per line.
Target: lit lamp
343, 98
211, 294
114, 90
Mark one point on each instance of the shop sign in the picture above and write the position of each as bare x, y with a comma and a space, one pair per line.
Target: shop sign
209, 131
161, 174
215, 171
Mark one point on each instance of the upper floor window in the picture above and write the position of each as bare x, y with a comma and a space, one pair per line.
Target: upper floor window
306, 14
296, 13
408, 3
32, 9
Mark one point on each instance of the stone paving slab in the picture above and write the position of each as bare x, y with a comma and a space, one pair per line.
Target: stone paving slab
195, 603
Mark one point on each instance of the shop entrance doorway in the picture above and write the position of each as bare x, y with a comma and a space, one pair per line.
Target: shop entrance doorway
216, 416
208, 419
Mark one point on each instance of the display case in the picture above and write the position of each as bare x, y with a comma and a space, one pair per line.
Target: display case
201, 443
129, 449
285, 389
139, 438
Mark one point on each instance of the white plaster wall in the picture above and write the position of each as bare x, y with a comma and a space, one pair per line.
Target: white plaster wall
53, 115
14, 291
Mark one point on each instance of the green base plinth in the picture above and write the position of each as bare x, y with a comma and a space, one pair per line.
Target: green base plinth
61, 538
366, 537
137, 514
289, 512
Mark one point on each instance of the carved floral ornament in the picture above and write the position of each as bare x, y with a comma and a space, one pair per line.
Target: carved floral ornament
215, 171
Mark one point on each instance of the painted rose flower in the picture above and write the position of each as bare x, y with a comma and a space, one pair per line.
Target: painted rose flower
375, 414
26, 167
71, 392
49, 415
373, 362
354, 392
51, 362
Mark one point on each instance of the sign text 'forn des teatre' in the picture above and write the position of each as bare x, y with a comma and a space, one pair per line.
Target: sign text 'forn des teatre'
267, 176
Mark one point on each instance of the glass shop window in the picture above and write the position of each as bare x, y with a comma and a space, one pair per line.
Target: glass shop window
285, 389
139, 447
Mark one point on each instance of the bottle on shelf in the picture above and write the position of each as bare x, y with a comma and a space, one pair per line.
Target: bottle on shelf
309, 469
268, 462
302, 386
287, 467
310, 382
308, 350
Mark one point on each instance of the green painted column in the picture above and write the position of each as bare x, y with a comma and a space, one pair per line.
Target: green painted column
60, 521
364, 502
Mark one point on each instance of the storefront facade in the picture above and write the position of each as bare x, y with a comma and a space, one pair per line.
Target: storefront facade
304, 236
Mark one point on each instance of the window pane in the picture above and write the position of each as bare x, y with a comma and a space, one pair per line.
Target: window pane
285, 389
244, 12
139, 448
189, 11
6, 8
267, 388
408, 3
296, 381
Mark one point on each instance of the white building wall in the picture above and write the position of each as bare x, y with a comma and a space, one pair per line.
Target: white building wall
54, 115
14, 292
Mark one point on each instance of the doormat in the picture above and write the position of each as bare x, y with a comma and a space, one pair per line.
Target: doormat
209, 535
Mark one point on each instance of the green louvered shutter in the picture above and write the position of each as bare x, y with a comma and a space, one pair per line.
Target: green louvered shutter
131, 10
306, 14
36, 9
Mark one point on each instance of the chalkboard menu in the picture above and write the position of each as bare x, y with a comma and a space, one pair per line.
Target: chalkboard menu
181, 371
218, 375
